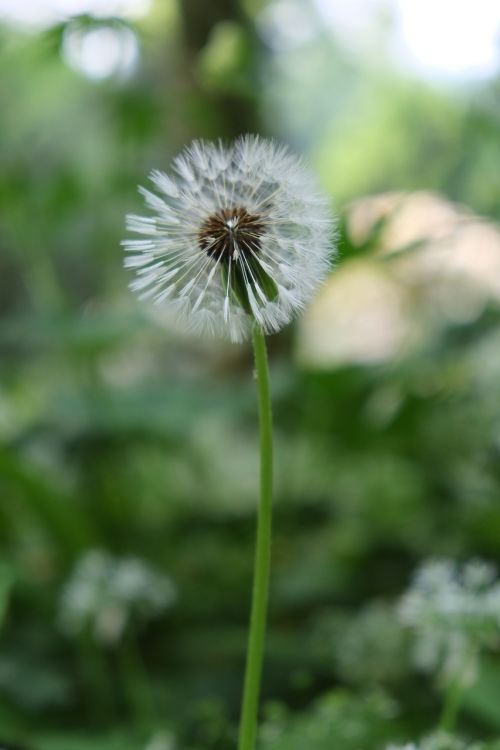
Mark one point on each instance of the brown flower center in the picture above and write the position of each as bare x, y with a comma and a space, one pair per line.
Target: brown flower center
230, 233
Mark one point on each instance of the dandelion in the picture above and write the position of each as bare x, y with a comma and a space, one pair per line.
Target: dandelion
240, 234
239, 241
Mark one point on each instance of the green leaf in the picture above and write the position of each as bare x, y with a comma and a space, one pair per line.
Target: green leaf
481, 700
80, 742
7, 578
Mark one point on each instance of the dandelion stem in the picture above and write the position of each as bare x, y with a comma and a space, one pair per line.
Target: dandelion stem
251, 690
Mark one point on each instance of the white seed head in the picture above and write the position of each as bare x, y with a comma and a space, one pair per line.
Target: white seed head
238, 234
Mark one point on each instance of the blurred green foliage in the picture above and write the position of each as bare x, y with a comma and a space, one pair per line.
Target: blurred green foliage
117, 433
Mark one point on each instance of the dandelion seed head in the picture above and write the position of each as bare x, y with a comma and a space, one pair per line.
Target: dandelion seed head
237, 234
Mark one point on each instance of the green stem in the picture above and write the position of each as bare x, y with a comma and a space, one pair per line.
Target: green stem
451, 707
95, 674
453, 699
251, 690
136, 683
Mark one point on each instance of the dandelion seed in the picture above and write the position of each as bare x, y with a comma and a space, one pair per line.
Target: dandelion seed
240, 234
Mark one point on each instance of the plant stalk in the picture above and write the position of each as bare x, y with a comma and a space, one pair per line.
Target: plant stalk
262, 564
454, 697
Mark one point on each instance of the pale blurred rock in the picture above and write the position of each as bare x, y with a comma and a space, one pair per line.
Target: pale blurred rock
408, 217
358, 316
433, 263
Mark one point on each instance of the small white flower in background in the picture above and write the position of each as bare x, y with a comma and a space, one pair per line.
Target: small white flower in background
161, 741
103, 595
439, 741
373, 648
455, 612
238, 234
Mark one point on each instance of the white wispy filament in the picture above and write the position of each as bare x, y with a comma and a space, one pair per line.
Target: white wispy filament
238, 234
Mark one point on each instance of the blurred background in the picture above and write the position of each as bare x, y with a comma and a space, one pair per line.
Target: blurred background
128, 458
